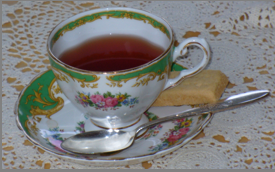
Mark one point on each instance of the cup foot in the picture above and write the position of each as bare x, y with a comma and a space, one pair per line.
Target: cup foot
90, 126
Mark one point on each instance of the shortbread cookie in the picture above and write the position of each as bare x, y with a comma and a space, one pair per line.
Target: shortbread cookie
205, 87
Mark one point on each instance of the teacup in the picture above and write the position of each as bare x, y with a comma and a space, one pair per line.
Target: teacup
117, 99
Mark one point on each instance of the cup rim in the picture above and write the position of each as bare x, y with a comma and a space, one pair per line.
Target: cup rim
75, 69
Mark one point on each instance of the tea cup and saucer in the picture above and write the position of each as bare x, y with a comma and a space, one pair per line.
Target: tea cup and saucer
118, 98
67, 99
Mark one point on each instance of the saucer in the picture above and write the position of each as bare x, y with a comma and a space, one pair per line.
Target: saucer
47, 118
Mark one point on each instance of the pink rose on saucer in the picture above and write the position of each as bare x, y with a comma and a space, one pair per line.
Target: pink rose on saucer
173, 138
180, 120
183, 131
97, 98
110, 102
56, 143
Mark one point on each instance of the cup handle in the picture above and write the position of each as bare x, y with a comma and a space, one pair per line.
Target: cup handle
180, 50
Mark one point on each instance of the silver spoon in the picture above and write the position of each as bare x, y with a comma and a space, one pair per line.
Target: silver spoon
103, 141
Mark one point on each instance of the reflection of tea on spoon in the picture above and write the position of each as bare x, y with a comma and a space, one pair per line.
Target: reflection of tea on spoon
111, 53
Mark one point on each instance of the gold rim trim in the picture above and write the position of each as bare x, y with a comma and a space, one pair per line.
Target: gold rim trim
125, 14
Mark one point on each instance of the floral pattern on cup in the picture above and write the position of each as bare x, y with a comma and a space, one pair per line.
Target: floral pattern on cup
180, 130
106, 101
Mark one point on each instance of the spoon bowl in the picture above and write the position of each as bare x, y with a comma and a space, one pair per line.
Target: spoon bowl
102, 141
111, 140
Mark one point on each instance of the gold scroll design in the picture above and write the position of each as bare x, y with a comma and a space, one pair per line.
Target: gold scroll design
141, 79
30, 124
129, 15
83, 83
35, 110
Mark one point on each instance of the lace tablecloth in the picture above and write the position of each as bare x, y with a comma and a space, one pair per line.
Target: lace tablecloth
242, 40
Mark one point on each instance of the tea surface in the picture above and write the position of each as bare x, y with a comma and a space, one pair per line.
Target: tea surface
111, 53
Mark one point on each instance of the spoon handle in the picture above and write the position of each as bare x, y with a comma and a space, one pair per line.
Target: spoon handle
222, 105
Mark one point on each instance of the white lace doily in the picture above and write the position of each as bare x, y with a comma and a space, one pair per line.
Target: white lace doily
242, 40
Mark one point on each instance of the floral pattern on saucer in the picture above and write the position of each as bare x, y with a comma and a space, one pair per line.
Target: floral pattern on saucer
54, 139
152, 131
105, 101
53, 136
80, 127
174, 135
